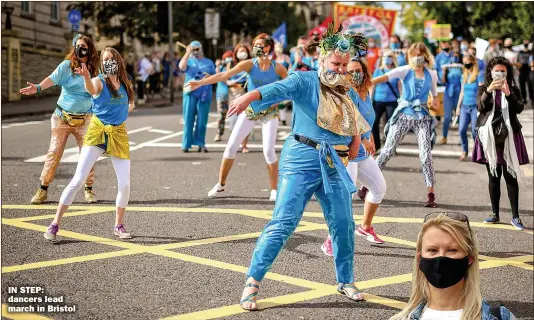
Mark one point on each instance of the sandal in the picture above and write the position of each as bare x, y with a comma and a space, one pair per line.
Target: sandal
249, 297
341, 288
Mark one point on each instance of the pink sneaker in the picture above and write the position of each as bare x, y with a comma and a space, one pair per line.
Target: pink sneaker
369, 234
327, 247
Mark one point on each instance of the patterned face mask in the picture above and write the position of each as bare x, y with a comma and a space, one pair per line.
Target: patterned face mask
357, 78
111, 67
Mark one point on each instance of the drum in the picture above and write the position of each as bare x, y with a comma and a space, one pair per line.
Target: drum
441, 95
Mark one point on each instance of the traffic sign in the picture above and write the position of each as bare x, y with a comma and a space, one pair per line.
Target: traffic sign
74, 17
75, 27
211, 24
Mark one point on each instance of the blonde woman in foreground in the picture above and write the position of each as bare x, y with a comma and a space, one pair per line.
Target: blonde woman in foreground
446, 277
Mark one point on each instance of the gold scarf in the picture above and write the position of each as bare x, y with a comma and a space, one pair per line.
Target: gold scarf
117, 144
337, 112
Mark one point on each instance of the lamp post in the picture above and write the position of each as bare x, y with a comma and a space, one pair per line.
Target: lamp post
8, 11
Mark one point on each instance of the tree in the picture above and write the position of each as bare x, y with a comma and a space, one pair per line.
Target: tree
413, 17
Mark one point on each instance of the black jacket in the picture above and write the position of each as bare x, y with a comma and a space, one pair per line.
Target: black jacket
485, 105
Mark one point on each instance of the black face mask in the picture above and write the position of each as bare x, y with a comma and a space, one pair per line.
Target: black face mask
508, 47
81, 52
468, 65
443, 272
258, 52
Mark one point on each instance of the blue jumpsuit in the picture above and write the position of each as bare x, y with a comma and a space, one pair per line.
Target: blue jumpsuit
453, 86
196, 104
303, 172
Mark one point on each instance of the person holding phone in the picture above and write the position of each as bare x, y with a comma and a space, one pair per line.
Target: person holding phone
500, 145
196, 105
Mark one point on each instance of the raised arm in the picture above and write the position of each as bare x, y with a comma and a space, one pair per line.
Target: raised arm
37, 88
183, 62
223, 76
379, 79
93, 86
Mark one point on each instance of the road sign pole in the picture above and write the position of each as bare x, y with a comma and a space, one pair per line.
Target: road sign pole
171, 54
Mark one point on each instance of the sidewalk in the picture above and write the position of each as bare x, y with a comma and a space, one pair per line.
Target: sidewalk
43, 105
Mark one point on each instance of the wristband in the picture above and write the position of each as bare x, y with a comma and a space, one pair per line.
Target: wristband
38, 88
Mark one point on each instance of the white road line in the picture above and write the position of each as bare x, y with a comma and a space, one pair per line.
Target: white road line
209, 145
20, 124
160, 131
71, 155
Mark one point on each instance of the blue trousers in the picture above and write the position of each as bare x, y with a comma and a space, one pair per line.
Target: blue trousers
449, 104
295, 189
195, 121
468, 114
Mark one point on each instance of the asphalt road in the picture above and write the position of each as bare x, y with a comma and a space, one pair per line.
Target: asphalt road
189, 254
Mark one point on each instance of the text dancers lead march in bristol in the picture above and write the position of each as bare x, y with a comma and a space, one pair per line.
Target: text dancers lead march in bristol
325, 133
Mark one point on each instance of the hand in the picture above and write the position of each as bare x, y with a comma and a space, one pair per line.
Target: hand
353, 150
231, 83
188, 50
192, 85
238, 105
29, 90
457, 111
506, 88
217, 62
83, 71
369, 147
495, 84
434, 106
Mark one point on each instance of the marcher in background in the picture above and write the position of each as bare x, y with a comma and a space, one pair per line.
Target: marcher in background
395, 44
166, 63
284, 60
196, 104
373, 53
72, 114
525, 84
144, 69
467, 102
500, 144
494, 50
222, 92
155, 76
384, 95
481, 64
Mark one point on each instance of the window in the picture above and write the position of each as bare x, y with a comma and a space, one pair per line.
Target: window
26, 7
54, 11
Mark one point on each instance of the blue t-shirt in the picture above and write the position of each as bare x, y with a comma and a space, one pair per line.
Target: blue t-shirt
310, 62
365, 107
111, 110
401, 59
222, 87
470, 90
382, 92
196, 70
74, 98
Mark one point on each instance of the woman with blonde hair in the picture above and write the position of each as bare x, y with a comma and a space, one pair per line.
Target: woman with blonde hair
112, 97
412, 113
467, 103
446, 276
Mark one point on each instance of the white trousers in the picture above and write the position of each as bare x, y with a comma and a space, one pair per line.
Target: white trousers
88, 157
368, 174
242, 129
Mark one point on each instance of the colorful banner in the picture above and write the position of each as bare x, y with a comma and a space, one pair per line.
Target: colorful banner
322, 27
376, 23
428, 27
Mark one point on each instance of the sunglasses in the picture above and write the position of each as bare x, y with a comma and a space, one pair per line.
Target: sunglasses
196, 49
453, 215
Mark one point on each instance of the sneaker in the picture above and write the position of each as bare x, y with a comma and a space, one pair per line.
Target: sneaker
492, 219
216, 190
90, 196
431, 201
516, 222
217, 138
369, 234
284, 122
120, 231
202, 149
185, 150
327, 247
51, 233
362, 193
273, 195
39, 197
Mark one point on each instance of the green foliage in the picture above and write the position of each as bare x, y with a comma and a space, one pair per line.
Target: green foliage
413, 18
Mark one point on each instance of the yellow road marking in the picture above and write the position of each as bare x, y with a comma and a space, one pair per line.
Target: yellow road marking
68, 214
21, 316
384, 301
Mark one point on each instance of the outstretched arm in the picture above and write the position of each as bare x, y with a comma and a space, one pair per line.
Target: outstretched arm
37, 88
221, 76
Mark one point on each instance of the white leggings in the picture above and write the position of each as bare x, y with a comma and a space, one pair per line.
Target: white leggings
368, 174
88, 157
241, 130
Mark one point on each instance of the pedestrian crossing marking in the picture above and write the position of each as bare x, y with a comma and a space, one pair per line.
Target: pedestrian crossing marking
314, 289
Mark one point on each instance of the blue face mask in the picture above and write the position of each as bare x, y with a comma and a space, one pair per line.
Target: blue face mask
463, 47
394, 45
388, 61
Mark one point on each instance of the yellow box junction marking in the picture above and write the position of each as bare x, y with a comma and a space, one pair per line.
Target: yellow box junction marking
316, 289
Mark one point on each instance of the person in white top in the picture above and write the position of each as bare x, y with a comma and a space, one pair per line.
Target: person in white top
446, 276
144, 69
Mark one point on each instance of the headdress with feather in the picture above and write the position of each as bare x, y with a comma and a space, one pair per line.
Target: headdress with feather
353, 43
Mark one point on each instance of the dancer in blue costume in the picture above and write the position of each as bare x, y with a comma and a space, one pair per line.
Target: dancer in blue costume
364, 170
313, 160
196, 105
261, 71
418, 80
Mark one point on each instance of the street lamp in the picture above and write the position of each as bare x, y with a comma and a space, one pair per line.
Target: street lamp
8, 11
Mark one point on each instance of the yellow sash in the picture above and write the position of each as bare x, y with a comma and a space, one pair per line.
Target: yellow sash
117, 144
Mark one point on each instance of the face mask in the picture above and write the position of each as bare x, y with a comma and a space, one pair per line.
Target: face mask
468, 65
371, 45
357, 77
81, 52
419, 60
394, 45
444, 272
508, 47
498, 75
196, 53
110, 67
463, 47
228, 60
279, 50
447, 49
257, 52
333, 79
388, 61
242, 55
